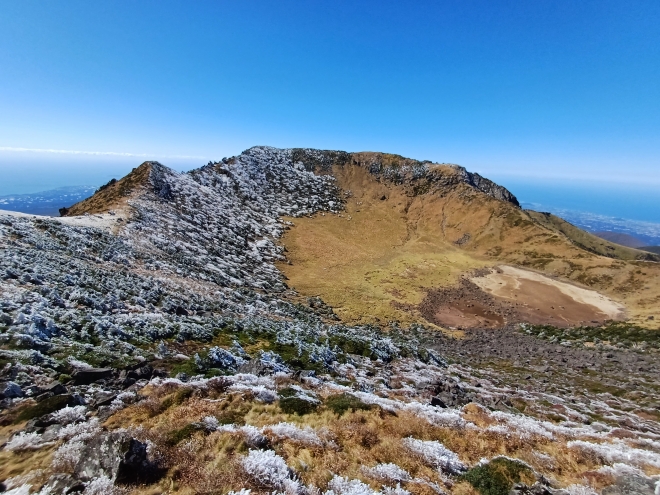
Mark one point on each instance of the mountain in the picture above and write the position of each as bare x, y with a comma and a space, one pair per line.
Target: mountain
307, 321
622, 239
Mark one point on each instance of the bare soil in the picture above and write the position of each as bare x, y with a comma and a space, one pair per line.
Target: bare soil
493, 299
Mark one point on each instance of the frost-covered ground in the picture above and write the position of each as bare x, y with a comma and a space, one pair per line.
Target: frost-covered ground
174, 329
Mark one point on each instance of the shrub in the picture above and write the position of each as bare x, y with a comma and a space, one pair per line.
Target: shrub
341, 403
292, 401
498, 476
177, 436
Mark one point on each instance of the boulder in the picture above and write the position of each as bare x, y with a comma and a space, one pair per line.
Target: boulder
56, 388
62, 484
116, 455
90, 375
10, 390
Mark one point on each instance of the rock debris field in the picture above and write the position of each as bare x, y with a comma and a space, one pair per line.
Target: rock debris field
157, 349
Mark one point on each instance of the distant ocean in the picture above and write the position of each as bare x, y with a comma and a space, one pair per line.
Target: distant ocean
594, 206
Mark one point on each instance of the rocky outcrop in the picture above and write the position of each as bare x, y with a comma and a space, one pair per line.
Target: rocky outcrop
423, 176
117, 456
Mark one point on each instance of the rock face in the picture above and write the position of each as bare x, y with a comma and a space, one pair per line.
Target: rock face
421, 175
117, 456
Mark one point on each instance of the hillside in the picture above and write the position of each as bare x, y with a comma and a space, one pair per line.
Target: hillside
621, 239
319, 322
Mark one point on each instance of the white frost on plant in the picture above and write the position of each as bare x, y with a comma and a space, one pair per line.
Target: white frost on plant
242, 491
211, 423
80, 431
580, 490
77, 363
67, 455
68, 415
268, 469
618, 452
397, 490
26, 441
343, 486
436, 454
100, 486
21, 490
387, 472
292, 432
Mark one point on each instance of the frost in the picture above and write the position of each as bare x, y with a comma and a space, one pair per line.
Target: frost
26, 441
436, 455
343, 486
580, 490
100, 486
21, 490
80, 431
67, 455
387, 472
291, 432
618, 453
69, 415
268, 469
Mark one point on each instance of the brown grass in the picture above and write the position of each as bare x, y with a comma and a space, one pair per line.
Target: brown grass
115, 196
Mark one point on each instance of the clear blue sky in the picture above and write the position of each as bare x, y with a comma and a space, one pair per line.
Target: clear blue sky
539, 88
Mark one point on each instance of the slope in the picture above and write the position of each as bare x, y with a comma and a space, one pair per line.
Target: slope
115, 194
595, 243
410, 228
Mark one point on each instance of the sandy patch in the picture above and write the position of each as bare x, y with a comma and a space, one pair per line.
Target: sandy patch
517, 284
104, 221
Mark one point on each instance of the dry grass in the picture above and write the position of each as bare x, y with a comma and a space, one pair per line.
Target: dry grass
115, 196
209, 463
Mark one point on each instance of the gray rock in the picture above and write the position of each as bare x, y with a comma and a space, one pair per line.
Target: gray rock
631, 484
11, 390
118, 456
56, 388
62, 484
90, 375
50, 433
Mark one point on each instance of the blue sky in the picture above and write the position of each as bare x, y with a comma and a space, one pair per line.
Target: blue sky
542, 89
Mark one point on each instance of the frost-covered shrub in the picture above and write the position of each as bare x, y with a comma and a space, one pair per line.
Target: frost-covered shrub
68, 415
81, 431
67, 455
221, 358
436, 455
387, 472
343, 486
618, 452
210, 423
268, 469
581, 490
25, 441
297, 401
291, 432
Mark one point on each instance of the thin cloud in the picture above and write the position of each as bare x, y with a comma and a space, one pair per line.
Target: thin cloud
97, 153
